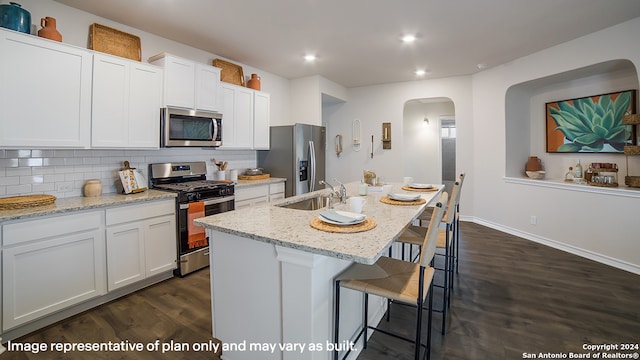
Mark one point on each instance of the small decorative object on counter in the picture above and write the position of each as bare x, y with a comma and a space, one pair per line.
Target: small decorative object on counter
254, 82
49, 30
568, 177
133, 181
533, 164
369, 177
578, 170
603, 174
14, 17
362, 188
92, 188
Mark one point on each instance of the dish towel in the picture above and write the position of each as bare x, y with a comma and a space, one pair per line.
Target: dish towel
197, 234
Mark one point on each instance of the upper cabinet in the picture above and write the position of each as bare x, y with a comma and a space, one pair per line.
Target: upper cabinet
56, 77
245, 122
188, 84
127, 97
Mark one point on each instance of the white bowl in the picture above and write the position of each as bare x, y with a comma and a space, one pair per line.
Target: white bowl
536, 174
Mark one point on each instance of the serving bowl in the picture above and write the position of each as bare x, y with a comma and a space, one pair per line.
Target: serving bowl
536, 174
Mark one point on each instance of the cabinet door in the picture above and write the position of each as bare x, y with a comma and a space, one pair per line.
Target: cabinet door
110, 110
237, 119
125, 254
160, 244
46, 276
54, 76
179, 83
207, 87
145, 101
261, 118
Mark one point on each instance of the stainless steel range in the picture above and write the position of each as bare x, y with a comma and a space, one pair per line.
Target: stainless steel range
197, 197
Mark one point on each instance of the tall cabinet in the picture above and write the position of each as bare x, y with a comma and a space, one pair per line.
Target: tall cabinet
245, 118
57, 77
127, 96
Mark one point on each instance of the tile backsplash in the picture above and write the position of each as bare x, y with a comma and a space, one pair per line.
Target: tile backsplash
63, 172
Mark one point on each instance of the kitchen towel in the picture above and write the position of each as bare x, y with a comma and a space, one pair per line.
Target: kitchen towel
197, 234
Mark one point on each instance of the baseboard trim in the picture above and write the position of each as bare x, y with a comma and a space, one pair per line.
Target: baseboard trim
603, 259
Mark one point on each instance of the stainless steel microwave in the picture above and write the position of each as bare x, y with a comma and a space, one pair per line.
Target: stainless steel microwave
190, 128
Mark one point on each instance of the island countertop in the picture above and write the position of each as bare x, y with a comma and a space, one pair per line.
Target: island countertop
285, 227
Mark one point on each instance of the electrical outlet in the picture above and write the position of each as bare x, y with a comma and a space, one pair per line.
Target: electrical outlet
533, 220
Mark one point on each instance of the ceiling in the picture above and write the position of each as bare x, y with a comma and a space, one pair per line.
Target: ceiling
357, 42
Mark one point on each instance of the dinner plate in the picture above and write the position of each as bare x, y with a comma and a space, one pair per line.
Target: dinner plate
404, 197
420, 186
342, 217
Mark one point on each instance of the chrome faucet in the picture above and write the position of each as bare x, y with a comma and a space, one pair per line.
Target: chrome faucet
340, 194
343, 191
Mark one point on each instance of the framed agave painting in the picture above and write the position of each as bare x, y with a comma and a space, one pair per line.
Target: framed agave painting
591, 124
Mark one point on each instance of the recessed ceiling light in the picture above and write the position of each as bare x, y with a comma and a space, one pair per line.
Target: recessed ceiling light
421, 72
482, 66
409, 38
309, 57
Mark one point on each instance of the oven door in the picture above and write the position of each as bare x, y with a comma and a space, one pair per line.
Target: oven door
191, 128
192, 258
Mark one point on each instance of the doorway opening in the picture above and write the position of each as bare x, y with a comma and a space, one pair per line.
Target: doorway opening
428, 134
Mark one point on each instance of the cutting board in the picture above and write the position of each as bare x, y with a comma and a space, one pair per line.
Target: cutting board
253, 177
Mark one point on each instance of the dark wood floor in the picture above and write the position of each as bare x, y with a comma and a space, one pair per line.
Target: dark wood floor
512, 296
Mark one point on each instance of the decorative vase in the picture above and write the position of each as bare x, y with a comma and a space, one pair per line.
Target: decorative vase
534, 164
49, 30
14, 17
92, 188
254, 82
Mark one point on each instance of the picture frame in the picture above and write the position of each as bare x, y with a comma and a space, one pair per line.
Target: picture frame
231, 73
591, 124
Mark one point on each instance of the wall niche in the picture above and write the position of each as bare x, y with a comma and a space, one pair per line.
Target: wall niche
525, 116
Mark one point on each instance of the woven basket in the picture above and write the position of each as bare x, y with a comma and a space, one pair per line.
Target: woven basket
631, 119
632, 150
23, 202
115, 42
632, 181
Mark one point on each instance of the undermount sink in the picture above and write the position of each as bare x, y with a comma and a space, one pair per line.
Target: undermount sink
314, 203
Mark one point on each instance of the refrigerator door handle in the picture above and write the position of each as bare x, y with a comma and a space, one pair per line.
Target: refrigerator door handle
312, 166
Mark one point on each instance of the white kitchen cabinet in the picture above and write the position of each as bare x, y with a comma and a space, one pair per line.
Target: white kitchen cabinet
141, 242
246, 118
258, 194
188, 84
237, 120
45, 93
127, 97
276, 191
261, 120
50, 264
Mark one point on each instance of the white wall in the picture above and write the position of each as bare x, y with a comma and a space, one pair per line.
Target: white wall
374, 105
600, 226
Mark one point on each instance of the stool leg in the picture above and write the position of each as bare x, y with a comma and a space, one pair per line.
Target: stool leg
366, 316
418, 340
336, 317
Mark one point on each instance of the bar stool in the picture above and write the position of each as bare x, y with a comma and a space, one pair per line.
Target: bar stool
413, 234
402, 281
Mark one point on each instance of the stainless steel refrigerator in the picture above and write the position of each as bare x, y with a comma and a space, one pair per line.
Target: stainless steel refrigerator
297, 153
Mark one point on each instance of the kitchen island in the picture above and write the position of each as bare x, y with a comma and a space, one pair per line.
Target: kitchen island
272, 275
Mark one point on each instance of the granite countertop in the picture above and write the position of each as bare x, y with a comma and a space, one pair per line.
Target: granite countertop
272, 180
65, 205
290, 228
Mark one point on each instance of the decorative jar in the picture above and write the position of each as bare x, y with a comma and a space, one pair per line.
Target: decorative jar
254, 82
49, 30
92, 188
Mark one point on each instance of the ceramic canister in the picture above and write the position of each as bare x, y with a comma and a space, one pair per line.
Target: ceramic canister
49, 30
14, 17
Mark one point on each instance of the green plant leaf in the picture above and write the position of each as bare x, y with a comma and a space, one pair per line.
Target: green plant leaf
569, 121
600, 131
608, 121
587, 139
569, 148
620, 105
616, 134
596, 146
